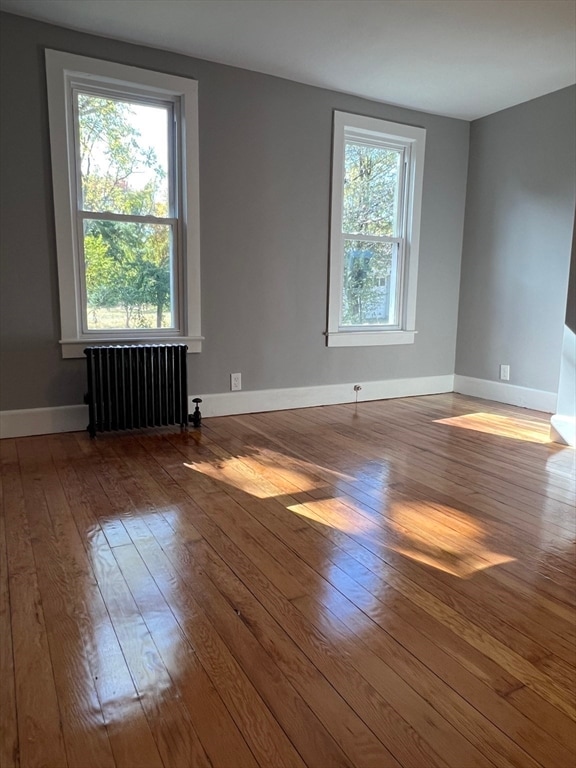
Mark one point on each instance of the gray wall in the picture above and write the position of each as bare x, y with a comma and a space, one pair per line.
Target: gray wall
265, 147
516, 256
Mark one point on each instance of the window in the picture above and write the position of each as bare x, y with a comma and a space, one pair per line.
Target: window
376, 199
124, 145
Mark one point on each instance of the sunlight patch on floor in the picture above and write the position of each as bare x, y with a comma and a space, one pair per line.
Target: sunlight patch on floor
338, 522
427, 532
457, 547
502, 426
276, 461
249, 475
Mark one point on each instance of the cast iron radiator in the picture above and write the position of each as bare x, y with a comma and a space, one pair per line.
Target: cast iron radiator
136, 386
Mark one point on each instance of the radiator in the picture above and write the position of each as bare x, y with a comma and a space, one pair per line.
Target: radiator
136, 386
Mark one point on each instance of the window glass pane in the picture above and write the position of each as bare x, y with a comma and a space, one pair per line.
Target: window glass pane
123, 156
371, 190
369, 285
128, 275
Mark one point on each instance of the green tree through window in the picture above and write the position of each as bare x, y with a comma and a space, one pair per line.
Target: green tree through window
127, 227
370, 207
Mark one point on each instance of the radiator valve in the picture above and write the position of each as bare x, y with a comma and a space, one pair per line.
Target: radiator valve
196, 417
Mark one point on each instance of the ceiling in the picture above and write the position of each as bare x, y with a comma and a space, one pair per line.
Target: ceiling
462, 58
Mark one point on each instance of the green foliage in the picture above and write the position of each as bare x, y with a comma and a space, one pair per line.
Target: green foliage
370, 190
127, 263
371, 186
367, 268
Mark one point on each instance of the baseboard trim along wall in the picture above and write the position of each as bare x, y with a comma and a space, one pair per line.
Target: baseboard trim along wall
43, 421
501, 392
230, 403
74, 418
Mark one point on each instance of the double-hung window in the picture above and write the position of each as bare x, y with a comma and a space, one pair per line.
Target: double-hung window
125, 174
377, 176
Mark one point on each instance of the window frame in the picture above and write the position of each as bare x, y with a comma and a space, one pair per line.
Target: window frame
411, 140
65, 73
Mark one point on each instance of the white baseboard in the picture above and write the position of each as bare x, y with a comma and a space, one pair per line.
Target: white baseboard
74, 418
43, 421
537, 399
229, 403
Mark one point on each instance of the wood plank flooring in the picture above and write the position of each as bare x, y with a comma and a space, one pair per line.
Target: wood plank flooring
388, 584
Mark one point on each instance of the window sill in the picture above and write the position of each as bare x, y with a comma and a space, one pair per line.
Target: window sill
369, 338
75, 347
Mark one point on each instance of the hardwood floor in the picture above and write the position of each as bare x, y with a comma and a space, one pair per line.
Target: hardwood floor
384, 585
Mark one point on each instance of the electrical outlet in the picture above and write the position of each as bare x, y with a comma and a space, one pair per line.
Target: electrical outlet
235, 382
504, 373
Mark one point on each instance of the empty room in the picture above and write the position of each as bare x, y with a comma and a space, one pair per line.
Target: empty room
287, 384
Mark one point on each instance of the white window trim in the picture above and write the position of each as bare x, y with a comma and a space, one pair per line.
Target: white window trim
61, 69
415, 138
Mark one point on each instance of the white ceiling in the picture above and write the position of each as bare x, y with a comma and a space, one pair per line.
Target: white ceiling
462, 58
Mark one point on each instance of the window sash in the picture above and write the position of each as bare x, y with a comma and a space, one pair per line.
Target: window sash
350, 137
109, 216
131, 97
176, 278
397, 280
400, 223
